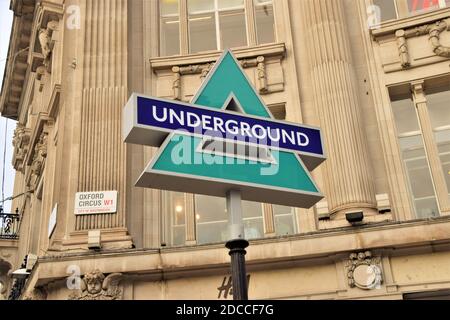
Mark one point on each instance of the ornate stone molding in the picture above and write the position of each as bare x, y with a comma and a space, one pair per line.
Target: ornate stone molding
38, 163
21, 141
37, 294
48, 15
95, 286
364, 271
434, 31
47, 44
204, 69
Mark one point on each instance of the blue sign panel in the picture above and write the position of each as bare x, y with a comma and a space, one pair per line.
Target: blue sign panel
180, 117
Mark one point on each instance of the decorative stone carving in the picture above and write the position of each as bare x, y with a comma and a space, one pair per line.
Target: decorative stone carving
403, 48
433, 30
262, 78
204, 69
95, 286
45, 39
37, 294
364, 271
20, 143
40, 72
40, 154
176, 86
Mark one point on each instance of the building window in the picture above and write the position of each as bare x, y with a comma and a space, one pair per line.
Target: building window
214, 25
212, 219
423, 129
393, 9
175, 230
422, 6
211, 223
285, 222
387, 9
169, 28
265, 21
414, 157
438, 100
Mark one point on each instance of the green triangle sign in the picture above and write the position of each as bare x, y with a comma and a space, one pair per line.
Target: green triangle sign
183, 164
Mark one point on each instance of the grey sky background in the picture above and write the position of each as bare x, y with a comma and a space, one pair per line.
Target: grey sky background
6, 17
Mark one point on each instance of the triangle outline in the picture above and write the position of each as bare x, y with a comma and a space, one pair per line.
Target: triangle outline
231, 96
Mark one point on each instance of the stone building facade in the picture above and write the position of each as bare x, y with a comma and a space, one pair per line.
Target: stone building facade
373, 74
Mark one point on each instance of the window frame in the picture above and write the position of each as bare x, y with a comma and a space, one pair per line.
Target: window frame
191, 224
250, 23
402, 9
442, 192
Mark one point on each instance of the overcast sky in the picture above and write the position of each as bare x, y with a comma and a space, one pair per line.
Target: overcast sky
5, 29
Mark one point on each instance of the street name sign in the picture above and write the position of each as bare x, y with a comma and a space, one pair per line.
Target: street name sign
225, 139
95, 202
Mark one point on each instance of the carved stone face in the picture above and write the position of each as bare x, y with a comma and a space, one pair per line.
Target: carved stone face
94, 282
94, 286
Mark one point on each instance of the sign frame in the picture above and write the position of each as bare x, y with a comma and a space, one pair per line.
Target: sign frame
112, 193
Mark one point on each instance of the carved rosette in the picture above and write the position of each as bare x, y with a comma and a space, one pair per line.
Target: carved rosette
364, 271
95, 286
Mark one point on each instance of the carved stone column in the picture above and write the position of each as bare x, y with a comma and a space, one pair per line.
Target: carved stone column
348, 182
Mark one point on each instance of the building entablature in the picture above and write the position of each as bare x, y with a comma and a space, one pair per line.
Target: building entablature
34, 27
414, 41
16, 66
168, 263
263, 59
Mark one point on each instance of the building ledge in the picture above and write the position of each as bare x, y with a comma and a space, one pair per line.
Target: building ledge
321, 247
275, 49
389, 28
16, 64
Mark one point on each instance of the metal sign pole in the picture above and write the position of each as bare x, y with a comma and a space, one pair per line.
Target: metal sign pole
237, 245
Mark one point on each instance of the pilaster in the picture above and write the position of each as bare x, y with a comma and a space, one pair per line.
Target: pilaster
104, 93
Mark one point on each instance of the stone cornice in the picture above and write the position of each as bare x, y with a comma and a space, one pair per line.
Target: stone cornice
30, 18
391, 238
389, 28
16, 65
276, 49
